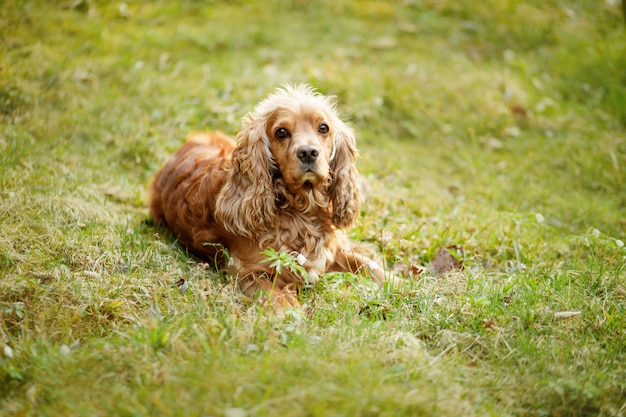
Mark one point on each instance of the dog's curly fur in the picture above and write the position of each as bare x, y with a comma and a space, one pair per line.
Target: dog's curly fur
288, 183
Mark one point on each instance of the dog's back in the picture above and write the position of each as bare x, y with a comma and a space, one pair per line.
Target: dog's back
183, 192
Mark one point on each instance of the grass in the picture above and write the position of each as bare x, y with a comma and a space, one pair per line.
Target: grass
495, 126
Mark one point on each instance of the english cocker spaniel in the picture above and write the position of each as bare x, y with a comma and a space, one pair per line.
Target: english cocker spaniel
288, 183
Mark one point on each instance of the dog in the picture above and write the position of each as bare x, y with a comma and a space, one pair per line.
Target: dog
288, 183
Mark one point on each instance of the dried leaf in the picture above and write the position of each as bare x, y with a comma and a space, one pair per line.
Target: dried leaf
417, 270
411, 270
182, 285
444, 261
518, 110
204, 266
489, 324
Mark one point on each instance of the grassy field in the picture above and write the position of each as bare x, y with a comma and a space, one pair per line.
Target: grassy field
497, 127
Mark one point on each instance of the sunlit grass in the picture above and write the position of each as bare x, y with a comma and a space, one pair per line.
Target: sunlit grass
494, 127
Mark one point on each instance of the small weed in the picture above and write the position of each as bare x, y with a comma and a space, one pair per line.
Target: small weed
280, 260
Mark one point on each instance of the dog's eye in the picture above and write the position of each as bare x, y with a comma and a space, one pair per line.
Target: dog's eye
323, 129
281, 133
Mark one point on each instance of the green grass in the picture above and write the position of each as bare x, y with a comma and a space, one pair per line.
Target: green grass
497, 126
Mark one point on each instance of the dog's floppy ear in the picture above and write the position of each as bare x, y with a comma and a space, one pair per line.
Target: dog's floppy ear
246, 203
344, 190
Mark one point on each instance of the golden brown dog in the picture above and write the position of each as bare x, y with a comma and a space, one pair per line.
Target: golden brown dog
288, 183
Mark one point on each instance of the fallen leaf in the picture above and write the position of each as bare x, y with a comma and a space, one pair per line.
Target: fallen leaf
518, 110
489, 324
411, 270
416, 270
182, 285
204, 266
444, 261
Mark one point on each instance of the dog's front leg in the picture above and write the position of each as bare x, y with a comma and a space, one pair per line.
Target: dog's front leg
352, 260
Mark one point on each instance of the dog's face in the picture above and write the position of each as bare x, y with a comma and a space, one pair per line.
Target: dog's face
301, 143
293, 139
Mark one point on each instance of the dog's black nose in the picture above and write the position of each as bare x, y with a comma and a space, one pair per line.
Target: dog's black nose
308, 154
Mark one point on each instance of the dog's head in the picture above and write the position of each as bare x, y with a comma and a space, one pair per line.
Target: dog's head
293, 137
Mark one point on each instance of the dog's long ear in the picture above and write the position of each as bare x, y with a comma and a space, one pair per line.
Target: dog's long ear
344, 190
246, 203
